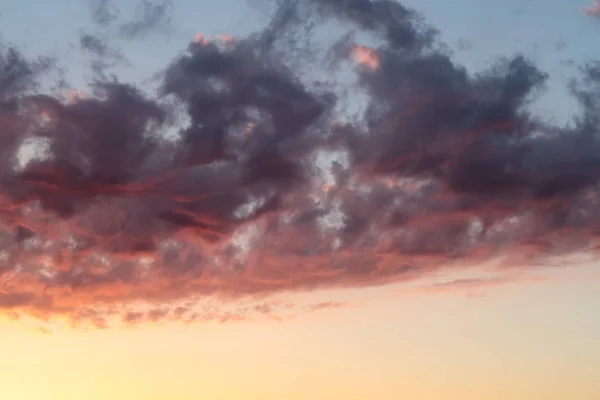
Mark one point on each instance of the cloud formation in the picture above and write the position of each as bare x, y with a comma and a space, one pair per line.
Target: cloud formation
149, 16
242, 177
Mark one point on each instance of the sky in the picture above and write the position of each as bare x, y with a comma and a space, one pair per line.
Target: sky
231, 200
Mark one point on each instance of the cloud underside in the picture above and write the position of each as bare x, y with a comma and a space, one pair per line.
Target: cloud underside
248, 174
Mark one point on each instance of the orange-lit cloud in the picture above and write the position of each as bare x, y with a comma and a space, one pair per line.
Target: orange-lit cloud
365, 56
593, 10
74, 95
227, 39
203, 40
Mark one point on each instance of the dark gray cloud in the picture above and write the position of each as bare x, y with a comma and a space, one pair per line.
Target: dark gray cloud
242, 177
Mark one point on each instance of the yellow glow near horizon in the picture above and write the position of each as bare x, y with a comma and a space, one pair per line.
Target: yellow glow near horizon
519, 341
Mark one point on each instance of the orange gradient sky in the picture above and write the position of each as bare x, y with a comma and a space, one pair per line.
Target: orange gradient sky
521, 341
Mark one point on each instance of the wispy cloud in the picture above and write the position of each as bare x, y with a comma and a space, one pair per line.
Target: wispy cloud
476, 287
149, 16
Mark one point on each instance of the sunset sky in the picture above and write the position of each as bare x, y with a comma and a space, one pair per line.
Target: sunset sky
187, 275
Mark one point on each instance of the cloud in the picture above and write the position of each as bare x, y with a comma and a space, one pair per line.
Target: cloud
475, 287
593, 10
242, 178
103, 12
207, 311
149, 16
325, 305
102, 56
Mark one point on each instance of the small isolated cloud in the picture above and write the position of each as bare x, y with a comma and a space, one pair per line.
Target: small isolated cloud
593, 10
324, 305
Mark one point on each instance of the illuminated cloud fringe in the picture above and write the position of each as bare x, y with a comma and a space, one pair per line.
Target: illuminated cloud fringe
593, 10
243, 177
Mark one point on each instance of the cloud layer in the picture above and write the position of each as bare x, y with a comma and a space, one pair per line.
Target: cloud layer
247, 175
